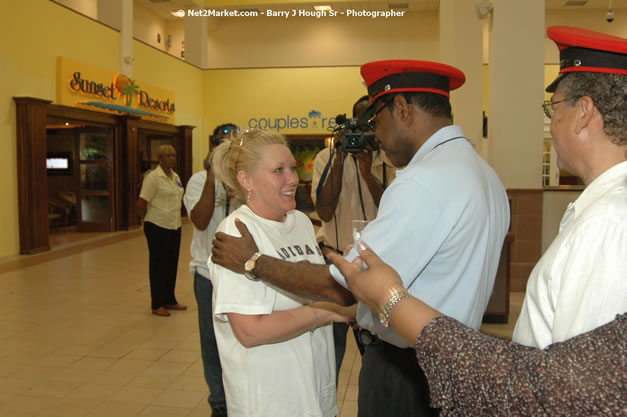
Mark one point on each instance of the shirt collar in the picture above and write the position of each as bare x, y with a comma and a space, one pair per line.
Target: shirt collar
436, 139
160, 171
613, 176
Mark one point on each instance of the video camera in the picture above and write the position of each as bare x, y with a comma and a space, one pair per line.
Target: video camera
355, 136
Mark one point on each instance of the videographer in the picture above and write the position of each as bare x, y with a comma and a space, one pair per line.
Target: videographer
345, 186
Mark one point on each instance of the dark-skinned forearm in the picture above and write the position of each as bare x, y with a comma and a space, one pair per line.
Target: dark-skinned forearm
375, 188
326, 203
203, 210
409, 316
312, 281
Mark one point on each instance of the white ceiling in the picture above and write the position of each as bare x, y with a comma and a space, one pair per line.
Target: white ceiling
163, 8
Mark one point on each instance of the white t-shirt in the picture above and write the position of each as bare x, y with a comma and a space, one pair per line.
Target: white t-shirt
288, 379
201, 239
580, 283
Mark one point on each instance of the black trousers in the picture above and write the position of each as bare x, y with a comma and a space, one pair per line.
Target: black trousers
163, 248
391, 384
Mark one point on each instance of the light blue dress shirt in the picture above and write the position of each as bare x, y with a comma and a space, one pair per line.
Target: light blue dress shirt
441, 225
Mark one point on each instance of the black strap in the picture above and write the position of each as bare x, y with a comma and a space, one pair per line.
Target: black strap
228, 200
361, 197
385, 176
324, 175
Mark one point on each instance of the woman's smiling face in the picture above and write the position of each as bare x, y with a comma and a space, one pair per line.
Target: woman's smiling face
273, 183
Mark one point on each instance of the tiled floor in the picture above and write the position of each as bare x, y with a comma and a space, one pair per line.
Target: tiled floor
77, 337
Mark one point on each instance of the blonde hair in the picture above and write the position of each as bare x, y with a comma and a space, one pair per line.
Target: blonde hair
164, 149
241, 153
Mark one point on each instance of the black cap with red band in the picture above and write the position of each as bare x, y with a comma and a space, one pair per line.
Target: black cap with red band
583, 50
399, 76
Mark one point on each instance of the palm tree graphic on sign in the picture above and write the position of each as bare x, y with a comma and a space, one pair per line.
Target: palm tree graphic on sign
126, 88
315, 114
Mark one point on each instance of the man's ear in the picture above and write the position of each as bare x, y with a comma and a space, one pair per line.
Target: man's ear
401, 106
585, 111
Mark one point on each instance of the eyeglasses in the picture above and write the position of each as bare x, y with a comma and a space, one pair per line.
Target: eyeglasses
547, 106
372, 122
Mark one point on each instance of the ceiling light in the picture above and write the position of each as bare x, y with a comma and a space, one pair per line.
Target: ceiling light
178, 13
322, 7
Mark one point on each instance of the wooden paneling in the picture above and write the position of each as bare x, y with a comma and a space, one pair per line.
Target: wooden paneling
129, 182
497, 310
526, 225
31, 173
32, 117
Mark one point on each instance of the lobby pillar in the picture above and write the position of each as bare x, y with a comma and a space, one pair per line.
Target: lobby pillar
516, 123
126, 38
197, 41
516, 91
461, 46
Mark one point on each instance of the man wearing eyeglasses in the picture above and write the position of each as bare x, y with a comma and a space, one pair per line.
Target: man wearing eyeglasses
208, 202
346, 187
441, 224
580, 282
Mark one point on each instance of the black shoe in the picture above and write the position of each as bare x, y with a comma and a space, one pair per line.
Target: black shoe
219, 412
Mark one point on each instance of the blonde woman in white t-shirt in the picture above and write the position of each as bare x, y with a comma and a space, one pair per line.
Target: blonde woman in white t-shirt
276, 348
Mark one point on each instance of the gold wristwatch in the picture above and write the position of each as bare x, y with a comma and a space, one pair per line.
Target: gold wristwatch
249, 267
397, 296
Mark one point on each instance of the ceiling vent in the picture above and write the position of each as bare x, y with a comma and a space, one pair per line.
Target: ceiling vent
575, 3
397, 6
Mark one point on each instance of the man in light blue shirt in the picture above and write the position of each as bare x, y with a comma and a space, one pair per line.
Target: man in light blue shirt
441, 224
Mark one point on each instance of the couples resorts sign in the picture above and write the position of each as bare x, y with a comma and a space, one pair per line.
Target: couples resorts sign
81, 85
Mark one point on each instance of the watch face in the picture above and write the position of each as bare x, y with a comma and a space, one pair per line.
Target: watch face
249, 265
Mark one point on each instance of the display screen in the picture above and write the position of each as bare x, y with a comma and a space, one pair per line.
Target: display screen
57, 163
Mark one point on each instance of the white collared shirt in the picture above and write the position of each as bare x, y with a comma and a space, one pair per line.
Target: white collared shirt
580, 283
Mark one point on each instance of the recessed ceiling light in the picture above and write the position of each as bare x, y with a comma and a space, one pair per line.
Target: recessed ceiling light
322, 7
178, 13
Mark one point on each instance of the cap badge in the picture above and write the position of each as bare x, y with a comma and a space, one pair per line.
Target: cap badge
577, 62
387, 87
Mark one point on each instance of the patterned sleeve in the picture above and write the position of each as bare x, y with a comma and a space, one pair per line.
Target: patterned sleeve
473, 374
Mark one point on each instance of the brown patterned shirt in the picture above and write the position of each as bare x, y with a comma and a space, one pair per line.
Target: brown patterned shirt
471, 374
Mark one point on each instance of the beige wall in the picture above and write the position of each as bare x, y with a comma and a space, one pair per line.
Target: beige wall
302, 42
40, 31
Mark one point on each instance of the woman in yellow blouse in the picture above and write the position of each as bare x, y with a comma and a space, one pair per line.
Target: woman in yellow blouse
159, 204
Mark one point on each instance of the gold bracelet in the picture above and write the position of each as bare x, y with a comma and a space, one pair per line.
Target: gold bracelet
397, 296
